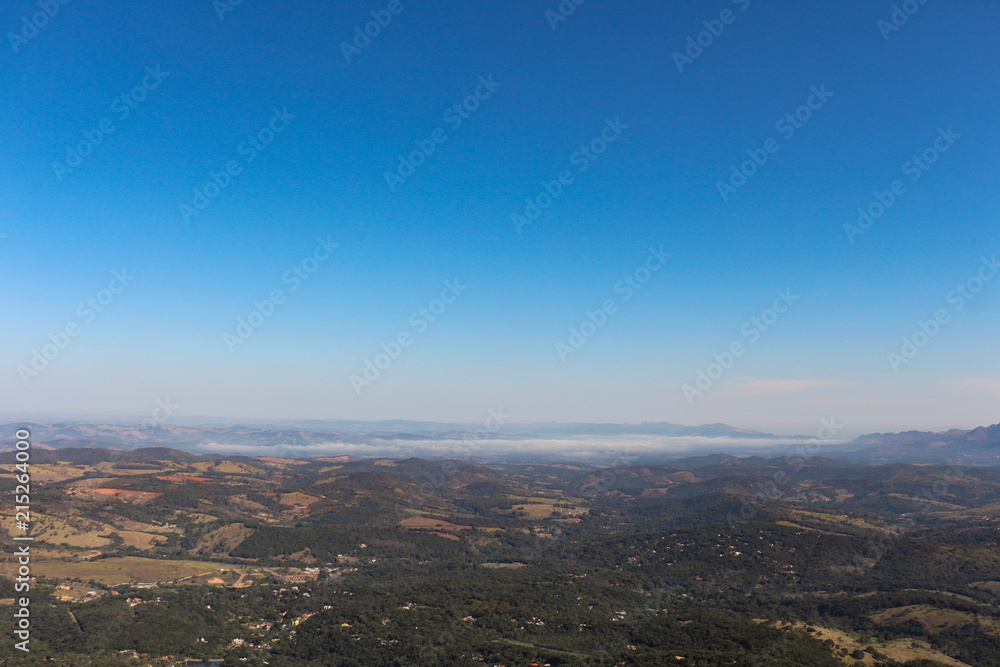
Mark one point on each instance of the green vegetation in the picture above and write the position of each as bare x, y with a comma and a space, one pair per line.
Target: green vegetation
845, 565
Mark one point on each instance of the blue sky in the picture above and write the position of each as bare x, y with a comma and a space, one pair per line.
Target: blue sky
608, 75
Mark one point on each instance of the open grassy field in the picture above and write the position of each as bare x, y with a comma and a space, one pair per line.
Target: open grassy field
113, 468
298, 498
991, 510
129, 524
936, 620
140, 540
536, 510
928, 501
126, 495
278, 461
833, 520
113, 571
228, 468
224, 539
423, 522
989, 586
75, 532
46, 473
535, 500
219, 578
901, 650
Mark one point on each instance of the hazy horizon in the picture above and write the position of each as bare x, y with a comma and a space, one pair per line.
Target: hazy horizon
820, 430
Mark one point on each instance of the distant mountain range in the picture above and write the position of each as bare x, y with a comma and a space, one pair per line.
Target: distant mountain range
666, 429
305, 438
976, 446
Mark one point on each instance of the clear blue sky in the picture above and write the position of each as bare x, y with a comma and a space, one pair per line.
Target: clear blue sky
605, 67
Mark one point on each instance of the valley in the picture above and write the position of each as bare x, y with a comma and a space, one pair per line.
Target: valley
156, 556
